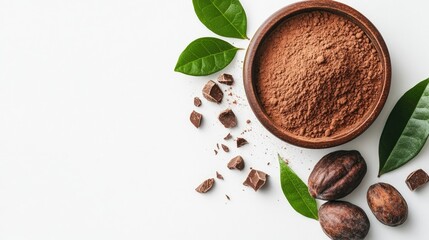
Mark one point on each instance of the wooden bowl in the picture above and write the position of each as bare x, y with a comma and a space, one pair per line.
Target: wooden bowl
250, 81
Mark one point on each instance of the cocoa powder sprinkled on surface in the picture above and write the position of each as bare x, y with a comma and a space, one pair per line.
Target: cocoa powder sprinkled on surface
318, 75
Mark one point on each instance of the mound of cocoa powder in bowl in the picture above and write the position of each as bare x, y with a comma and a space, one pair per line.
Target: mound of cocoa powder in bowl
318, 75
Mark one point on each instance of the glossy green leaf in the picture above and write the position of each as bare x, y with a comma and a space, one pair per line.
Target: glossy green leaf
406, 129
296, 192
223, 17
205, 56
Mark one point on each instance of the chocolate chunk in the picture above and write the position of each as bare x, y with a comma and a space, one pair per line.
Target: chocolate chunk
226, 79
236, 163
205, 186
225, 148
417, 179
197, 101
215, 152
229, 136
212, 92
196, 119
256, 179
219, 176
241, 142
228, 119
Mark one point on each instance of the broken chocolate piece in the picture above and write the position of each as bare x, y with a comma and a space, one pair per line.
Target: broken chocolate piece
227, 197
417, 179
217, 145
228, 119
205, 186
236, 163
219, 176
196, 119
226, 79
197, 101
225, 148
229, 136
212, 92
241, 142
215, 152
256, 179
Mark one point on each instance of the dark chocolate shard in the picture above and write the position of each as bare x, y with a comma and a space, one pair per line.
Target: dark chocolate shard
205, 186
256, 179
197, 101
227, 197
215, 151
236, 163
228, 119
417, 179
225, 148
226, 79
196, 119
227, 137
241, 142
212, 92
219, 176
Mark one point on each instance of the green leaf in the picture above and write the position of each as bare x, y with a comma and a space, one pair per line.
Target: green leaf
205, 56
296, 192
406, 129
223, 17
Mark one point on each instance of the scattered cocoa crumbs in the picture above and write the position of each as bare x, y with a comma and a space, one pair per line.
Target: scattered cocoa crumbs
225, 148
219, 176
241, 142
227, 137
196, 119
197, 101
205, 186
212, 92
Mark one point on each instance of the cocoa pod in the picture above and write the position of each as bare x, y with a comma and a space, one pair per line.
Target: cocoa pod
343, 220
387, 204
336, 175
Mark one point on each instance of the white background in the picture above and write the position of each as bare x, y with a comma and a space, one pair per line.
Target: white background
95, 141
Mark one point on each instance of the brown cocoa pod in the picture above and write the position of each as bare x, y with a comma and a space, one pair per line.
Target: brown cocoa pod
387, 204
336, 175
343, 220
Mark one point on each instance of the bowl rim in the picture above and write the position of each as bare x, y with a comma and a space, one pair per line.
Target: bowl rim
289, 11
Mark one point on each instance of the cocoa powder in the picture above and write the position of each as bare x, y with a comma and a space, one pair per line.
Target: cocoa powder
318, 75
